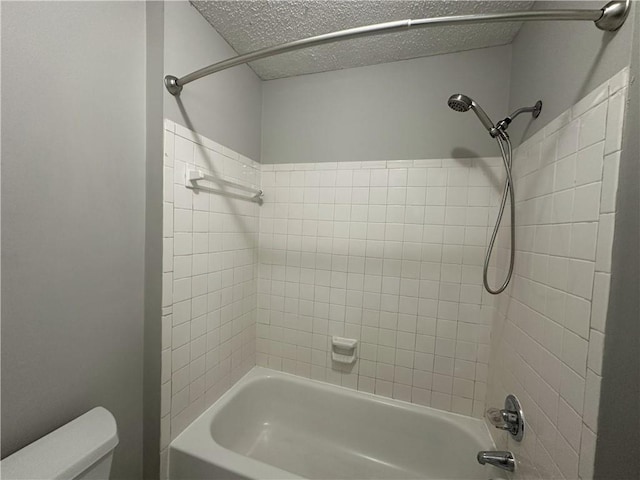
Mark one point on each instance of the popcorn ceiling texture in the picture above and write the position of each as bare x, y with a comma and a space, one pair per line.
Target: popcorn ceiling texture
250, 25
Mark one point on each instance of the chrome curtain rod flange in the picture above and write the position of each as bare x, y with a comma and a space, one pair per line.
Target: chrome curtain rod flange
614, 15
171, 83
609, 18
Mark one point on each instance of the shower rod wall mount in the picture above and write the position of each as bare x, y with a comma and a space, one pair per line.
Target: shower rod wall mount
609, 18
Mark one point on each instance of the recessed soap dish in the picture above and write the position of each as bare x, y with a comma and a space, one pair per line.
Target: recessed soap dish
343, 350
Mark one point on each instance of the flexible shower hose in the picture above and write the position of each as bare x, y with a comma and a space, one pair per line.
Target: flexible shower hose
508, 190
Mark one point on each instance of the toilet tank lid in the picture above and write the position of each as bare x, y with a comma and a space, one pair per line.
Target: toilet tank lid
66, 452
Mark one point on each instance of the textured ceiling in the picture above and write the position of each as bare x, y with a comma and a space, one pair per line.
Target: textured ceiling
250, 25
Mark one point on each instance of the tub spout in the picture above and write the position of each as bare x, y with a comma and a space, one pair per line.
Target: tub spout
504, 460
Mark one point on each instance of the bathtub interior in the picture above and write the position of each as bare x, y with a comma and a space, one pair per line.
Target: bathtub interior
309, 430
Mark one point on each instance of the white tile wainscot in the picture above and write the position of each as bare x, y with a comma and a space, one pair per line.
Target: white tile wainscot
548, 334
209, 281
389, 253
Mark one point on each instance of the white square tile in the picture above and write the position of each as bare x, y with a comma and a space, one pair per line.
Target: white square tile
563, 203
574, 352
577, 315
180, 336
610, 183
183, 221
580, 278
181, 289
587, 453
167, 219
615, 122
167, 321
619, 80
545, 465
606, 228
167, 255
184, 150
463, 406
593, 126
550, 370
183, 244
596, 349
436, 177
589, 164
592, 99
568, 139
182, 197
600, 301
167, 289
560, 240
566, 458
565, 173
165, 431
583, 241
569, 424
557, 123
169, 125
586, 205
169, 142
572, 388
592, 400
548, 150
398, 177
441, 401
184, 132
547, 400
417, 177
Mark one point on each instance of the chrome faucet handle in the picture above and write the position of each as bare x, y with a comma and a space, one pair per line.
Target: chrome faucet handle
498, 419
510, 418
502, 419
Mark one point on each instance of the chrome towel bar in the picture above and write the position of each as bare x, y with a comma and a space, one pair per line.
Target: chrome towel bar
194, 176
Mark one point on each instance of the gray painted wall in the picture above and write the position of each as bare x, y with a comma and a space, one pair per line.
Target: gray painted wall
389, 111
224, 107
560, 62
617, 445
73, 220
153, 238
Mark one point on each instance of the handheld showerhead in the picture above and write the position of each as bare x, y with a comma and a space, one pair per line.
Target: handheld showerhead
459, 102
462, 103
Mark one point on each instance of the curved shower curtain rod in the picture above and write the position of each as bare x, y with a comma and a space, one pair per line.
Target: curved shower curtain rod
609, 18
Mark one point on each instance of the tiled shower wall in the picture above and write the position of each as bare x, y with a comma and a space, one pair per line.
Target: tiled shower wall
209, 285
391, 254
548, 335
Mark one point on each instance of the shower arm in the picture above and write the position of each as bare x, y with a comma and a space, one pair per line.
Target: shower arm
503, 124
609, 18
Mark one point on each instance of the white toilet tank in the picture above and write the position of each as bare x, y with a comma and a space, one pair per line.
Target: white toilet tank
81, 449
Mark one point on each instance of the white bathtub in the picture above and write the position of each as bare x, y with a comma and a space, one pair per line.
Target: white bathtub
272, 425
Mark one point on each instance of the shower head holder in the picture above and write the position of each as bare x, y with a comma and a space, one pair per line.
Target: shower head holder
503, 124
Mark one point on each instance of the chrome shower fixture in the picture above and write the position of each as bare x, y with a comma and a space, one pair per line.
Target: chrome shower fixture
463, 103
506, 121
